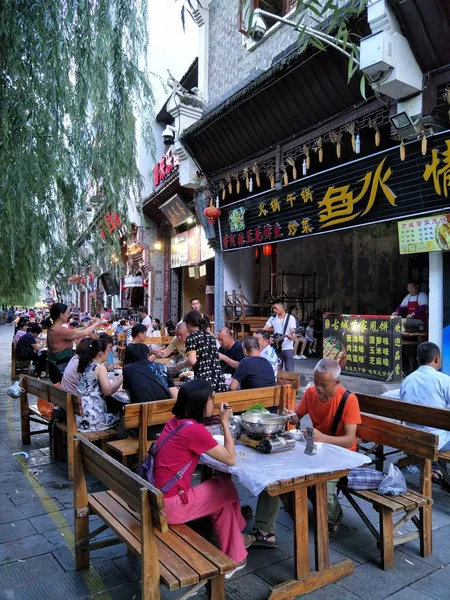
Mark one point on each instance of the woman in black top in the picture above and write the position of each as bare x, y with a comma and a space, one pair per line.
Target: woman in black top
28, 347
201, 352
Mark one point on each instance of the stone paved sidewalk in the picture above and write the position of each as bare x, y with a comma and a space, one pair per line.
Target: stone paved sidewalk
36, 538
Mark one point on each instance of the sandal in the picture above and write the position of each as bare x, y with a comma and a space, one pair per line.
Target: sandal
262, 541
248, 539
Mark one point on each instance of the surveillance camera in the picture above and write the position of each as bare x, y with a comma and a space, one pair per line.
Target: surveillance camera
168, 135
258, 27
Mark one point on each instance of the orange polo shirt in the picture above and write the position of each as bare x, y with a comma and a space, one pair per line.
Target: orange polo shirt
322, 413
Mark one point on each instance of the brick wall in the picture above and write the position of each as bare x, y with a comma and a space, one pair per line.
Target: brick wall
156, 263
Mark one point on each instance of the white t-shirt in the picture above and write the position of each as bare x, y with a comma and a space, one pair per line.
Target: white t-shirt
278, 327
148, 323
269, 354
421, 298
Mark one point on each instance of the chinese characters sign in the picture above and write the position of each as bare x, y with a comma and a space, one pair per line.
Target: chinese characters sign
375, 189
364, 345
424, 234
164, 167
175, 211
190, 248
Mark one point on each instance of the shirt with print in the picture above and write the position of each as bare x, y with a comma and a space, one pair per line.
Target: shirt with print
207, 365
147, 381
269, 354
254, 372
322, 413
278, 327
25, 345
428, 387
185, 446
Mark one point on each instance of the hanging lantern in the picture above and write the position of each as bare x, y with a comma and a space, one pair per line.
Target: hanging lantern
91, 277
83, 281
145, 284
76, 278
212, 213
71, 280
256, 253
267, 249
123, 287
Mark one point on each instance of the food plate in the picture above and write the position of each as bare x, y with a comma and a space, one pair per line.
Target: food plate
442, 234
219, 438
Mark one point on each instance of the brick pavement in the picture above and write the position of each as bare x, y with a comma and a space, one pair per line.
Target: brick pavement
36, 538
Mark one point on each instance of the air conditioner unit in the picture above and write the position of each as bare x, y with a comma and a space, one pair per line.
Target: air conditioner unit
389, 63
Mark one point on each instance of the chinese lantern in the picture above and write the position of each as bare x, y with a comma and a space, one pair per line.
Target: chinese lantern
77, 279
212, 213
70, 280
123, 288
256, 253
83, 281
91, 277
145, 284
267, 249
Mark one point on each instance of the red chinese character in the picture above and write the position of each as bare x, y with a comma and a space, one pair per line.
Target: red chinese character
277, 231
240, 239
109, 222
267, 232
162, 169
419, 223
232, 241
102, 234
404, 225
258, 235
156, 178
411, 225
225, 241
249, 236
117, 220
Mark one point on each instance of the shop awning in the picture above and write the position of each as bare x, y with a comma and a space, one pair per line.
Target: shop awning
299, 91
164, 192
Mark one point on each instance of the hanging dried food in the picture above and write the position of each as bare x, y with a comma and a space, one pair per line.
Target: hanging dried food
336, 139
245, 176
229, 184
351, 129
402, 150
291, 163
373, 125
255, 170
421, 134
222, 188
447, 99
318, 148
283, 169
271, 176
235, 176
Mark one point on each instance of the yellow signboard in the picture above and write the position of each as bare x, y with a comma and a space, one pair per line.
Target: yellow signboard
424, 234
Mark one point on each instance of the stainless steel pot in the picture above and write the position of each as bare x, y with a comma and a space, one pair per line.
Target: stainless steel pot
262, 423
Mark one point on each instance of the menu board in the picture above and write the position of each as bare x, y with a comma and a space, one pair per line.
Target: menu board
364, 345
424, 234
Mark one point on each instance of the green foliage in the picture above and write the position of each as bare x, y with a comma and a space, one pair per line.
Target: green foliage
73, 79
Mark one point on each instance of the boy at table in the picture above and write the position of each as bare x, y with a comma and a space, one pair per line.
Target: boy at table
321, 402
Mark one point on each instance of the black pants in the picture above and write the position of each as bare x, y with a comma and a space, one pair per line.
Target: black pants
39, 360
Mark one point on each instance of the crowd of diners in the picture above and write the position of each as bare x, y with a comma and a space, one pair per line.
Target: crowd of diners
215, 364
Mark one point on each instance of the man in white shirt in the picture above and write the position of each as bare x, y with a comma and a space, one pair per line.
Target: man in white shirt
429, 387
147, 321
267, 350
283, 324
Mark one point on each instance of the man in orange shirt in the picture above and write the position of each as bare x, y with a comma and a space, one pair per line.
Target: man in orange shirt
335, 415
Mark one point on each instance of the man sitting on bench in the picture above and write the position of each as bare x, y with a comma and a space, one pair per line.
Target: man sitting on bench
429, 387
335, 414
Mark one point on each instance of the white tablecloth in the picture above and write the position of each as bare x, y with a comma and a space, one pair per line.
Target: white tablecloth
256, 470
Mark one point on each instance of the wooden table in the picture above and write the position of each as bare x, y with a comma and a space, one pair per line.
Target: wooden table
258, 471
305, 580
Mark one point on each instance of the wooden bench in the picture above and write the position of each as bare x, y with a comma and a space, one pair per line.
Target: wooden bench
141, 416
159, 341
414, 506
19, 367
438, 418
29, 412
171, 555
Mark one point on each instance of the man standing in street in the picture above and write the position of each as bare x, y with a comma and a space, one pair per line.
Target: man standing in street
283, 325
335, 415
253, 371
147, 321
230, 351
429, 387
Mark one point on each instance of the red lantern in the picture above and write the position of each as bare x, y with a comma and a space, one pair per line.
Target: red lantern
77, 279
123, 288
71, 280
212, 213
91, 277
145, 284
83, 281
267, 249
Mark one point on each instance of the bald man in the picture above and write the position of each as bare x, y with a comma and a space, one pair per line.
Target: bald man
230, 351
177, 346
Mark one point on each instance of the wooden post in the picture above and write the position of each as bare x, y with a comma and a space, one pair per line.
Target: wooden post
143, 423
149, 554
13, 362
216, 587
81, 509
387, 538
24, 413
71, 431
301, 545
321, 547
426, 512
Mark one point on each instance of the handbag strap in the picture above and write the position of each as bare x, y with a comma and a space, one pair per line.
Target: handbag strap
340, 410
179, 474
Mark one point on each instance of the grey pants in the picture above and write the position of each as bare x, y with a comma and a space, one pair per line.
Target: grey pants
268, 507
287, 360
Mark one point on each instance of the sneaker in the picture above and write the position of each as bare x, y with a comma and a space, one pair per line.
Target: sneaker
240, 565
297, 357
310, 351
303, 357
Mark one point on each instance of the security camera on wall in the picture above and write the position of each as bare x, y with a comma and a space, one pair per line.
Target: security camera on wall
258, 27
168, 135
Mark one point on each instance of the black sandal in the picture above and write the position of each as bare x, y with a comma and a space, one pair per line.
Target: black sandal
261, 541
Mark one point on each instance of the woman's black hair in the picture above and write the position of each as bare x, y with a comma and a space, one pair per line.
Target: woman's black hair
196, 319
158, 324
90, 352
56, 310
122, 322
105, 336
135, 353
34, 329
192, 399
83, 345
170, 326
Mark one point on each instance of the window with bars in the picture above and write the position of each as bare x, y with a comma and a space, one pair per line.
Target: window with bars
276, 7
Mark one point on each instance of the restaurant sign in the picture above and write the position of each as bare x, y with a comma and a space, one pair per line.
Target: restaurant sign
131, 281
364, 345
424, 234
369, 190
190, 248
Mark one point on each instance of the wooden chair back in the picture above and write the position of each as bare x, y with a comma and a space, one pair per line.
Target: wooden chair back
405, 411
158, 413
412, 441
158, 341
121, 339
118, 479
289, 378
47, 391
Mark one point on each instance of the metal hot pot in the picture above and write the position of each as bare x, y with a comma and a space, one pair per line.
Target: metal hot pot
262, 424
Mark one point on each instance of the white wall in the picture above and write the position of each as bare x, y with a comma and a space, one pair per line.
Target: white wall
239, 272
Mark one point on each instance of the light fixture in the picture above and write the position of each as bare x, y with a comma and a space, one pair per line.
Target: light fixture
401, 121
358, 144
267, 249
157, 245
250, 185
190, 220
304, 167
